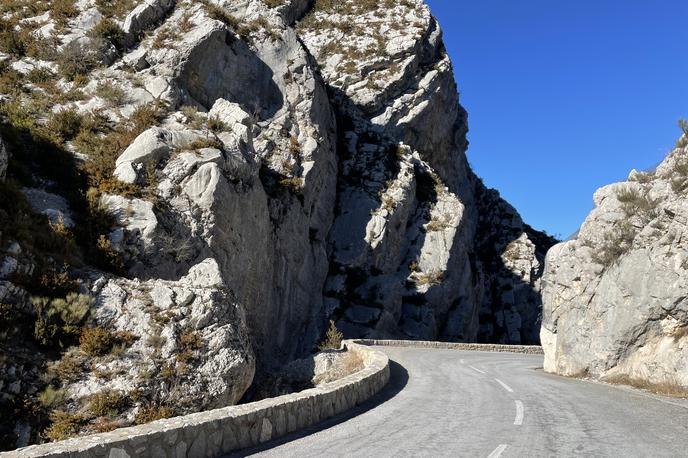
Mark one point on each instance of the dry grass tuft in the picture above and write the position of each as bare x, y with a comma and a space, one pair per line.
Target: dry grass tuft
669, 388
348, 364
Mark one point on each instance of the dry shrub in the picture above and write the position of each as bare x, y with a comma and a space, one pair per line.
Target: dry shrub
96, 341
147, 414
68, 369
107, 403
63, 425
333, 338
669, 388
350, 363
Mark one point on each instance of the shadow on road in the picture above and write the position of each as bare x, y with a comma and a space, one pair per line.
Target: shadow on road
397, 381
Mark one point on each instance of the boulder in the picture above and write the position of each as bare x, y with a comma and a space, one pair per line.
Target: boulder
614, 295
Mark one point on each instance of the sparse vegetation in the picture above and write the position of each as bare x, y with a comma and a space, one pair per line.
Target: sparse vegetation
615, 242
635, 202
439, 223
107, 31
111, 93
679, 174
115, 8
429, 278
294, 184
59, 321
52, 397
683, 141
61, 11
76, 60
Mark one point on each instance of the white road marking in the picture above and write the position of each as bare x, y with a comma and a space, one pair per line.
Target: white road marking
505, 386
498, 451
462, 361
519, 413
476, 369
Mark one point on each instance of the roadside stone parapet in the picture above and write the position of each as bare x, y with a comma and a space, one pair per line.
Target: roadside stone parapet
525, 349
220, 431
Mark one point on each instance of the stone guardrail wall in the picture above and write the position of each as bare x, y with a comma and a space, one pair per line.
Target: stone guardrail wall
526, 349
216, 432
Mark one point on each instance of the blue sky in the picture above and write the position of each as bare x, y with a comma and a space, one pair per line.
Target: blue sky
564, 97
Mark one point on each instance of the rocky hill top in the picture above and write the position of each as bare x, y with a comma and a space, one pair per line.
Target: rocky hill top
191, 190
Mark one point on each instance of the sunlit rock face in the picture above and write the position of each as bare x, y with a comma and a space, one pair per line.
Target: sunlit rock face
418, 248
615, 295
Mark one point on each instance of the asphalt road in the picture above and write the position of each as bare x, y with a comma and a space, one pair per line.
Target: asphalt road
479, 404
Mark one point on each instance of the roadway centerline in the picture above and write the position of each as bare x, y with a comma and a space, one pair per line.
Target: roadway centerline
505, 386
518, 421
498, 451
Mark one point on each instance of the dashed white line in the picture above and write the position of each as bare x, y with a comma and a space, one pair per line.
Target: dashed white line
476, 369
505, 386
519, 413
498, 451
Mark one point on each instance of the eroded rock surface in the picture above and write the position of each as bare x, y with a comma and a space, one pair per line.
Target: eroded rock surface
614, 296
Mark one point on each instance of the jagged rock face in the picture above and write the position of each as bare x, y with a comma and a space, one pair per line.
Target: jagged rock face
195, 317
615, 295
404, 256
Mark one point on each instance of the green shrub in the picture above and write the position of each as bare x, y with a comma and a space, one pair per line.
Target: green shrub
333, 338
52, 397
112, 93
60, 320
108, 31
635, 202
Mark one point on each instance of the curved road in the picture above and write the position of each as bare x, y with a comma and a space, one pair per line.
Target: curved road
479, 404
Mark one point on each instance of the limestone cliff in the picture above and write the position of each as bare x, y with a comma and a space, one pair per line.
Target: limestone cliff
195, 188
615, 295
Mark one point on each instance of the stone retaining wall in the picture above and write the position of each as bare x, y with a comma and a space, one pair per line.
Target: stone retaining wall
527, 349
220, 431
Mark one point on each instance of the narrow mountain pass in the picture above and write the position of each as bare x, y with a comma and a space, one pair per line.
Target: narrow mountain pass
480, 404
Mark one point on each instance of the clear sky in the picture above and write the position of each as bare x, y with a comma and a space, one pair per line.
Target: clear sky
566, 96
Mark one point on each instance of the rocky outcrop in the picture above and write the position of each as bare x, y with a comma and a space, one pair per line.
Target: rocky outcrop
310, 154
614, 296
417, 242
